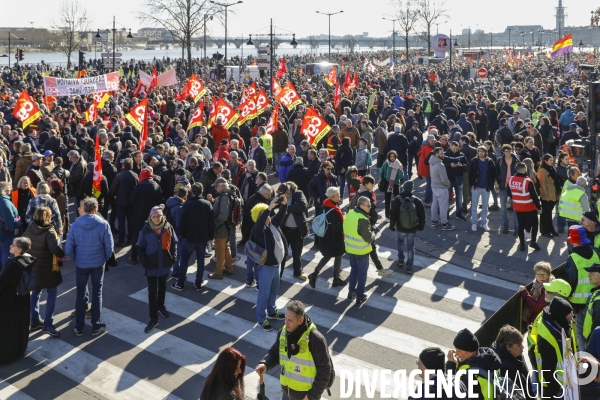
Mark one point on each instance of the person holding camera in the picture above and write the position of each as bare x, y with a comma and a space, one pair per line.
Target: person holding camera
295, 225
456, 164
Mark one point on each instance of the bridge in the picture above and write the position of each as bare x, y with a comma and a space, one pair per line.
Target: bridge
314, 42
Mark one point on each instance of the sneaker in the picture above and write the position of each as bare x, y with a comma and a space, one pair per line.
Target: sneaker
78, 333
505, 230
386, 220
197, 287
266, 326
485, 227
400, 262
236, 259
51, 331
435, 223
276, 315
351, 295
151, 325
175, 286
409, 270
215, 276
312, 280
302, 277
249, 284
474, 227
535, 246
101, 328
208, 252
37, 326
461, 217
527, 235
163, 313
448, 227
338, 283
385, 272
427, 205
493, 208
362, 299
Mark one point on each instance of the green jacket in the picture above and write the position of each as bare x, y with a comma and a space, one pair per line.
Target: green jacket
386, 171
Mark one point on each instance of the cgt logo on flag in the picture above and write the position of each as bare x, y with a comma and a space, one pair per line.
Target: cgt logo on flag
25, 110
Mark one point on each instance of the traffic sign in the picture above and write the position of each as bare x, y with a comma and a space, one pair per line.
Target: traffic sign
111, 54
482, 73
317, 69
106, 60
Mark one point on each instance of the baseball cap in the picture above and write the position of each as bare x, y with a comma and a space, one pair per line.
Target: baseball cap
572, 125
559, 286
48, 153
36, 156
593, 268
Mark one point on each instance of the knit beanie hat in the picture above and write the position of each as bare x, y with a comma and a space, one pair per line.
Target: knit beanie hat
433, 358
559, 309
408, 186
465, 340
158, 210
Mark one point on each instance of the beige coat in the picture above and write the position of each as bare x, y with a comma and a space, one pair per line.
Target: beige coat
547, 187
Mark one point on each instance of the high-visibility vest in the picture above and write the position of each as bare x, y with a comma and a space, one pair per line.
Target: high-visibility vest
354, 243
569, 205
582, 291
587, 322
521, 198
487, 389
544, 333
532, 335
299, 371
572, 160
332, 150
267, 144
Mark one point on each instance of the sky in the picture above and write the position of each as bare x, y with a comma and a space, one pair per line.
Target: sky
301, 18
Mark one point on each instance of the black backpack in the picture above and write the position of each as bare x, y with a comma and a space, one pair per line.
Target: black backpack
407, 218
27, 282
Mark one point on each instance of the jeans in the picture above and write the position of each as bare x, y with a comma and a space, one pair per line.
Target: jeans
276, 159
294, 240
157, 288
50, 304
249, 270
233, 243
342, 182
439, 205
82, 276
476, 193
503, 200
180, 245
186, 253
4, 248
337, 265
358, 274
561, 222
223, 256
428, 192
495, 196
466, 199
579, 318
268, 285
457, 185
410, 246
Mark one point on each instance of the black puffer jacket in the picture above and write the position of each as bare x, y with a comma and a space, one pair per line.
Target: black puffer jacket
298, 210
44, 244
123, 185
486, 360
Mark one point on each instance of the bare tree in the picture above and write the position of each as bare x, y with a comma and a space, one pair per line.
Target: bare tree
407, 16
72, 23
183, 19
429, 11
350, 42
313, 42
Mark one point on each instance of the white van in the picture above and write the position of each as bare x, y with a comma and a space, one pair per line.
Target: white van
249, 72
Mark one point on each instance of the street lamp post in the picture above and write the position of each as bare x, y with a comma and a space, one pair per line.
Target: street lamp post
509, 30
329, 41
206, 16
225, 5
532, 42
394, 39
469, 38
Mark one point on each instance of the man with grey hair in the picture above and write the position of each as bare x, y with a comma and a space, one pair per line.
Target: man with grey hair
90, 244
43, 198
298, 331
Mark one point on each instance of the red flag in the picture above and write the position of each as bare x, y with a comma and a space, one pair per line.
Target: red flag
251, 91
331, 77
196, 119
138, 117
276, 87
355, 81
273, 125
184, 93
314, 126
25, 110
247, 111
212, 114
347, 81
282, 70
48, 100
96, 186
288, 97
226, 113
92, 112
197, 89
154, 81
261, 102
590, 57
139, 89
337, 97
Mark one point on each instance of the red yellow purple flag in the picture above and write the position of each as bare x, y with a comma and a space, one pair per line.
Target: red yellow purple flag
564, 45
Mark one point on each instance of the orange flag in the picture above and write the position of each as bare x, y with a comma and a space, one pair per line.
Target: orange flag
272, 125
26, 110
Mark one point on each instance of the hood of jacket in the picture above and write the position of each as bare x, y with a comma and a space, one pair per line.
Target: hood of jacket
575, 186
146, 174
173, 201
486, 359
89, 221
434, 160
37, 230
25, 261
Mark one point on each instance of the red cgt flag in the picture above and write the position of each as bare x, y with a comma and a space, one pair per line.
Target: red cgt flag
347, 81
331, 77
26, 110
314, 126
96, 182
138, 117
282, 70
288, 97
226, 113
197, 89
154, 81
196, 119
273, 125
139, 89
247, 111
261, 101
337, 97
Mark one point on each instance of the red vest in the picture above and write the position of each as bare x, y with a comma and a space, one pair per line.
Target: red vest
352, 192
522, 201
332, 150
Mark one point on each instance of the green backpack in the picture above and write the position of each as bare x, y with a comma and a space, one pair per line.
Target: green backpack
408, 214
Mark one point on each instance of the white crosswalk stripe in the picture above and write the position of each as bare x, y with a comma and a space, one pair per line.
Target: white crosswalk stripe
437, 296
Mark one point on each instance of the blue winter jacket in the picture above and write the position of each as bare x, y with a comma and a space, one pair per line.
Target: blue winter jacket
8, 213
285, 166
566, 118
173, 206
155, 257
89, 241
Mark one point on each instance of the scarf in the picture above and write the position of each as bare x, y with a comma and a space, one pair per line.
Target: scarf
395, 166
536, 288
331, 204
554, 175
166, 236
158, 226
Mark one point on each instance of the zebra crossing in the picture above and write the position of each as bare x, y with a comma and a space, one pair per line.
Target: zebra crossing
403, 314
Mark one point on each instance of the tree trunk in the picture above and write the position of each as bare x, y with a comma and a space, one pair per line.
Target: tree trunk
429, 40
406, 46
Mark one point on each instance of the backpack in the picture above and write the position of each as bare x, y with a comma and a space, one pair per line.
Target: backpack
408, 214
552, 135
236, 205
503, 388
320, 224
26, 282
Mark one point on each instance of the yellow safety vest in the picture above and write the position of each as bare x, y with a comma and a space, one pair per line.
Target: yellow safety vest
544, 333
299, 371
267, 143
354, 243
532, 336
587, 322
582, 291
569, 205
487, 389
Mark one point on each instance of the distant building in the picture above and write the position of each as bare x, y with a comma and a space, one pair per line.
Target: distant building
155, 33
